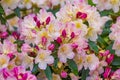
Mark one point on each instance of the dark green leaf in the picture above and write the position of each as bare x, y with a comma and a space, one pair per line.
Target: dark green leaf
84, 74
17, 12
73, 66
10, 16
35, 70
116, 61
2, 19
110, 48
106, 12
93, 46
55, 62
48, 73
1, 10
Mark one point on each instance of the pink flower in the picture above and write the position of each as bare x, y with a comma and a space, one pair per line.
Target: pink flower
116, 75
26, 48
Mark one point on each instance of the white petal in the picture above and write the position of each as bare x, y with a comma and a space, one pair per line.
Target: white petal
49, 59
63, 59
70, 55
42, 65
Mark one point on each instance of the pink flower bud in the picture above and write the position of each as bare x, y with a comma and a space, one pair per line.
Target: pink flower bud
5, 73
109, 58
59, 40
35, 18
78, 14
38, 24
44, 40
72, 35
75, 45
16, 35
83, 16
10, 55
3, 34
51, 47
64, 33
106, 52
63, 74
48, 20
107, 72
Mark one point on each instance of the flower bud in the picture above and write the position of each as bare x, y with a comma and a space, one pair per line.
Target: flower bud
51, 47
63, 74
59, 40
107, 72
64, 33
109, 58
44, 40
48, 20
72, 35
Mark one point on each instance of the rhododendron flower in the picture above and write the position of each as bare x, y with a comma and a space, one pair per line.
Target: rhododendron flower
43, 58
65, 52
4, 61
8, 47
107, 5
116, 75
9, 4
91, 62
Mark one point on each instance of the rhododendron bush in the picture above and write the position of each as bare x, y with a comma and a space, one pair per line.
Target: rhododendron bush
59, 39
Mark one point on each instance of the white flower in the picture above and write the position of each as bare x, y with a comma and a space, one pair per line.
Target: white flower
91, 62
12, 4
65, 52
43, 58
4, 60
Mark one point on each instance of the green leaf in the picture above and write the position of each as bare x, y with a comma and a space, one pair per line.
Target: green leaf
73, 66
93, 46
2, 19
1, 10
84, 74
48, 73
90, 2
55, 62
10, 16
17, 12
110, 48
116, 61
106, 12
35, 70
101, 41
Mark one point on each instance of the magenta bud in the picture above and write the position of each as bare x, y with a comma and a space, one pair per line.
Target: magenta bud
4, 35
64, 33
78, 14
75, 45
48, 20
5, 73
72, 35
51, 47
63, 74
110, 58
44, 40
10, 55
107, 72
38, 24
59, 40
83, 16
35, 18
15, 35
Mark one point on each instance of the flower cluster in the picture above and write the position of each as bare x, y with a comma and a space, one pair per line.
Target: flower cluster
69, 44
